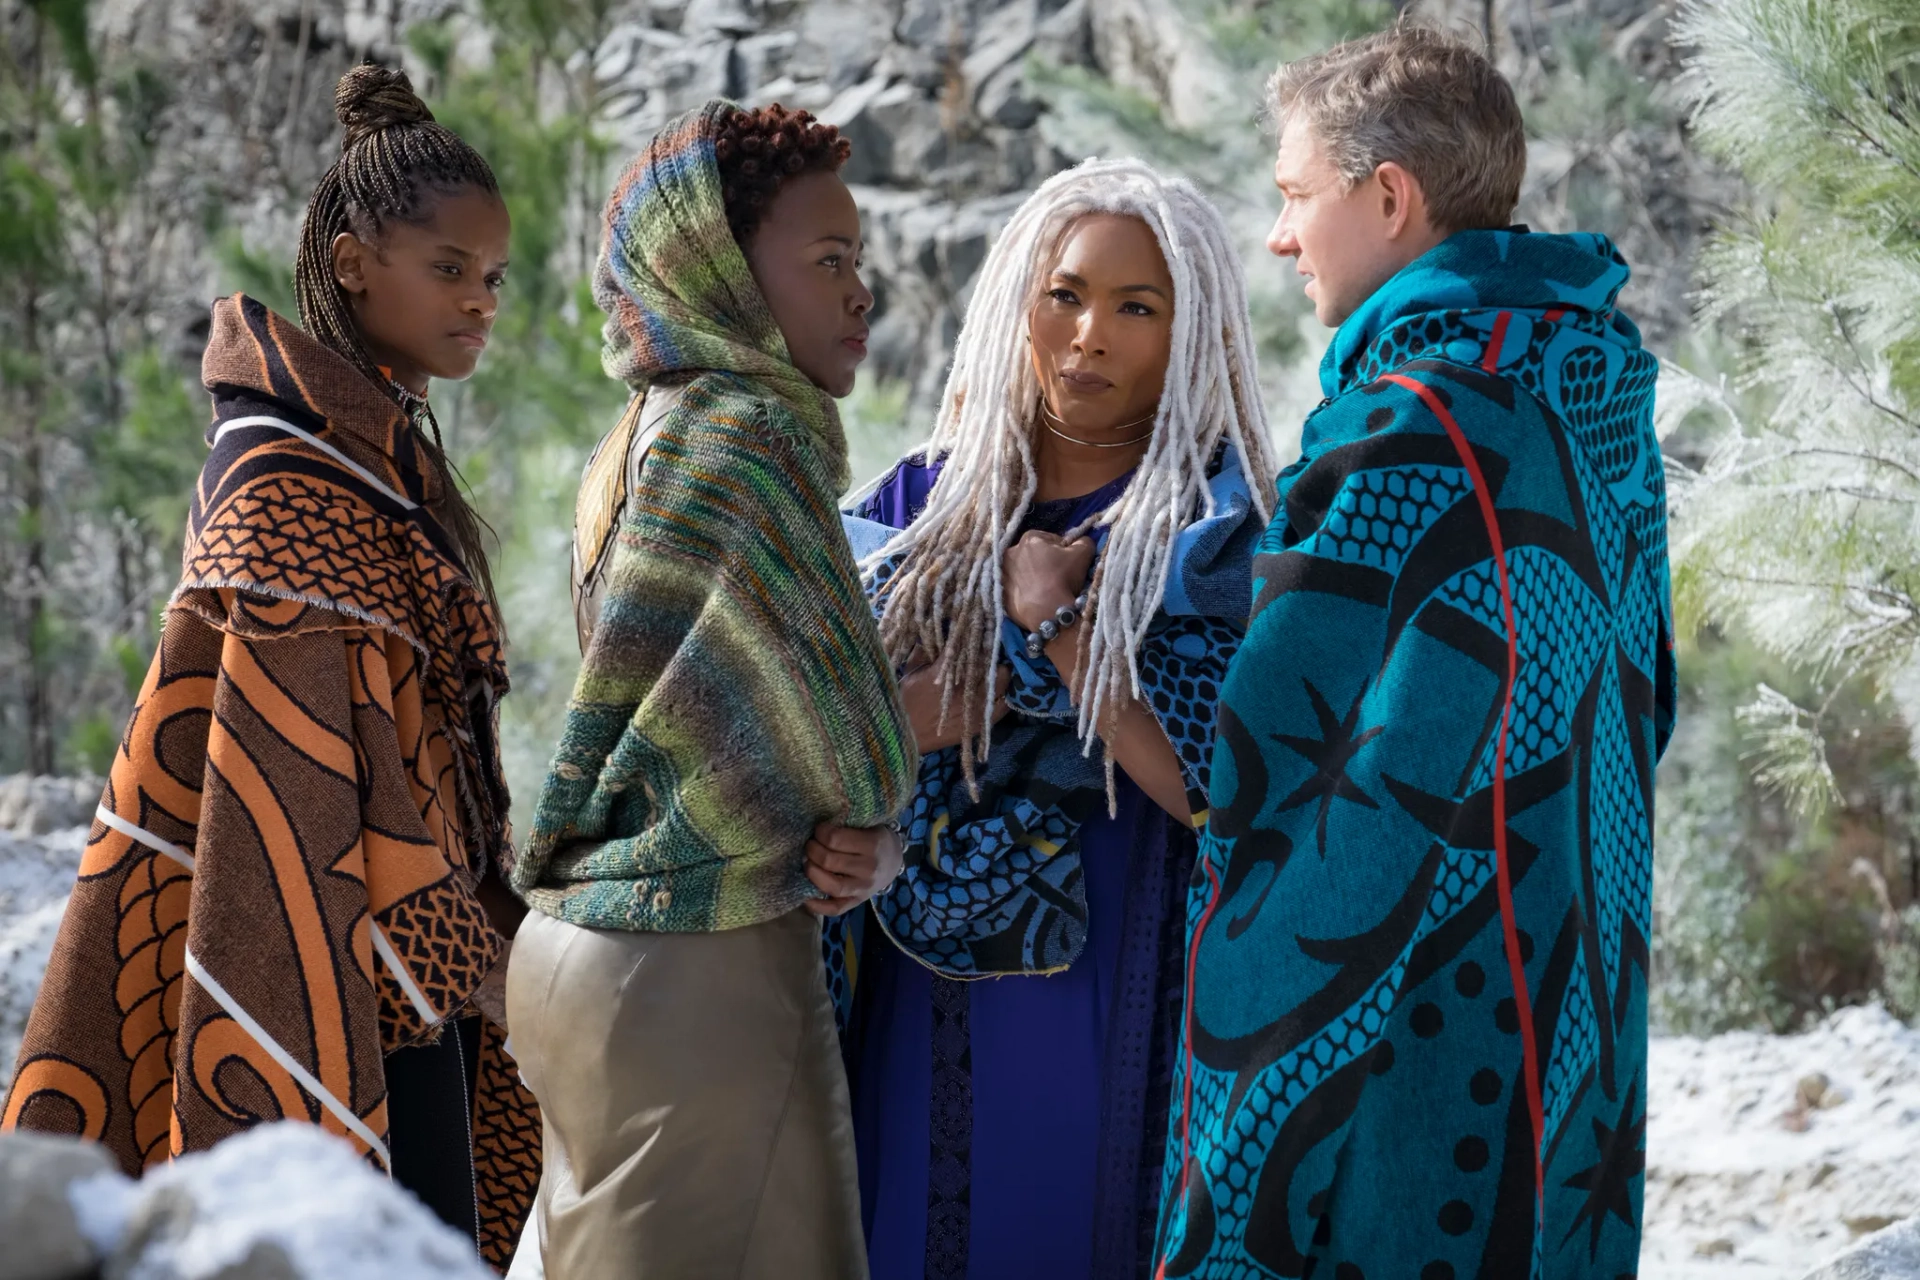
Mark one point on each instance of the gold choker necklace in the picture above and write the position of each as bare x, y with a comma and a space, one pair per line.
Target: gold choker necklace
1048, 420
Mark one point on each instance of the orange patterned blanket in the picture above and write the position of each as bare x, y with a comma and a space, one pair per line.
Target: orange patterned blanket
282, 881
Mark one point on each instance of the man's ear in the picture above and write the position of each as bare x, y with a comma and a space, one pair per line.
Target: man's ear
1403, 201
350, 255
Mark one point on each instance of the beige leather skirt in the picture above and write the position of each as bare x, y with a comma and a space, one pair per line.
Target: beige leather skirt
695, 1105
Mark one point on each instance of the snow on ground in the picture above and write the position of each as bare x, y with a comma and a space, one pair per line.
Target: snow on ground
1768, 1154
36, 875
286, 1189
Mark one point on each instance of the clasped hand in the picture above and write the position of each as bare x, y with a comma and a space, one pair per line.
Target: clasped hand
850, 865
1042, 572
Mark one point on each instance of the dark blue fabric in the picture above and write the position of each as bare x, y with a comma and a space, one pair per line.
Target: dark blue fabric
978, 1105
1355, 1098
1014, 1127
1213, 555
992, 880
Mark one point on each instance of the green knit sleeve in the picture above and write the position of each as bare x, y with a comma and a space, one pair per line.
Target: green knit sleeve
733, 696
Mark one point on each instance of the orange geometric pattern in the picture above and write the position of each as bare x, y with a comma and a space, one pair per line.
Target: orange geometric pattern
281, 883
442, 938
506, 1149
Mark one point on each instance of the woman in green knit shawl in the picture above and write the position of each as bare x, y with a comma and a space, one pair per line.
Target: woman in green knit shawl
735, 742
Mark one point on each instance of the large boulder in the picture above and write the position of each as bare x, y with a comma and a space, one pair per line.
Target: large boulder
1890, 1254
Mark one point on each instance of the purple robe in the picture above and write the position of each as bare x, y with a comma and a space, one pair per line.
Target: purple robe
1015, 1127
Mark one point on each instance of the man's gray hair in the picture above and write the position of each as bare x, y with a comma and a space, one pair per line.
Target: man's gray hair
1423, 99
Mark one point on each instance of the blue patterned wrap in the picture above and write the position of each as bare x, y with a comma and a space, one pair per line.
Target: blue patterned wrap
992, 885
1417, 1000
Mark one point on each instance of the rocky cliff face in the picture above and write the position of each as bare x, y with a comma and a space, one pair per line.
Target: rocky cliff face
933, 96
937, 96
933, 93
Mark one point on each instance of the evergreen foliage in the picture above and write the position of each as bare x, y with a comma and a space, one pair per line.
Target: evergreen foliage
94, 479
1799, 524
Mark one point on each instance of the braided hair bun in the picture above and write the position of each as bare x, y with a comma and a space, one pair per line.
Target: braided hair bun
396, 165
371, 97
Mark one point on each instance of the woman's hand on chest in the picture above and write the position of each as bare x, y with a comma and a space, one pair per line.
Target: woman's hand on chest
1042, 572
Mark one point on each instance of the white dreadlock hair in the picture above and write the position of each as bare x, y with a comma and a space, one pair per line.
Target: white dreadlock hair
946, 596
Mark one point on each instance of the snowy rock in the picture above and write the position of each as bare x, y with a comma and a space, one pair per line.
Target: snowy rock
1767, 1154
280, 1202
1892, 1254
36, 875
34, 806
42, 1235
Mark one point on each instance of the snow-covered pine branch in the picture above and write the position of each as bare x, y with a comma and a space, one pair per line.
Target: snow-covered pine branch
1801, 524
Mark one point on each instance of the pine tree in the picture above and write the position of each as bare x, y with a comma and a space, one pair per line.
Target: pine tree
93, 419
1800, 525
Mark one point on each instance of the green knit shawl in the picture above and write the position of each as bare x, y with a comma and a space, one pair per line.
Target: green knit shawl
735, 692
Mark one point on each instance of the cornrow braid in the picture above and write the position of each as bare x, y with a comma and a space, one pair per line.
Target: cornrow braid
946, 595
395, 165
759, 151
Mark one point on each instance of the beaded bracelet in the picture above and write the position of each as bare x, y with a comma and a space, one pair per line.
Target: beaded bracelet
1063, 617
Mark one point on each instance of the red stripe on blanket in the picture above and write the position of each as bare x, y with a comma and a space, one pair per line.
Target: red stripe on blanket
1502, 873
1500, 323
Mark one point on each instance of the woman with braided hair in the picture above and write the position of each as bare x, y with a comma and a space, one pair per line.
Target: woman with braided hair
1067, 576
293, 900
668, 1001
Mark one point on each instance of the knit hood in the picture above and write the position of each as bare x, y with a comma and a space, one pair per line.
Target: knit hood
1538, 282
676, 288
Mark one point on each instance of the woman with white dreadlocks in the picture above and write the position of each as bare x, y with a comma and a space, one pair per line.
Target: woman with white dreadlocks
1065, 576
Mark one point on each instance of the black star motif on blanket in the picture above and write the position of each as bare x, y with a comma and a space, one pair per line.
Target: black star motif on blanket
1622, 1157
1330, 754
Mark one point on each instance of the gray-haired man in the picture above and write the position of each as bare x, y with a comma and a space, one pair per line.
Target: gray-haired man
1416, 1016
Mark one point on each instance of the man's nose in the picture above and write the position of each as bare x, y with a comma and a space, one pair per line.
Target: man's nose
1281, 242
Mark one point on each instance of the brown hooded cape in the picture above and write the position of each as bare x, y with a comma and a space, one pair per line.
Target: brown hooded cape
281, 883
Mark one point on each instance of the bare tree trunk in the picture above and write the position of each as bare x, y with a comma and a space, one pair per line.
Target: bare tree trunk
290, 122
34, 522
103, 228
133, 613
